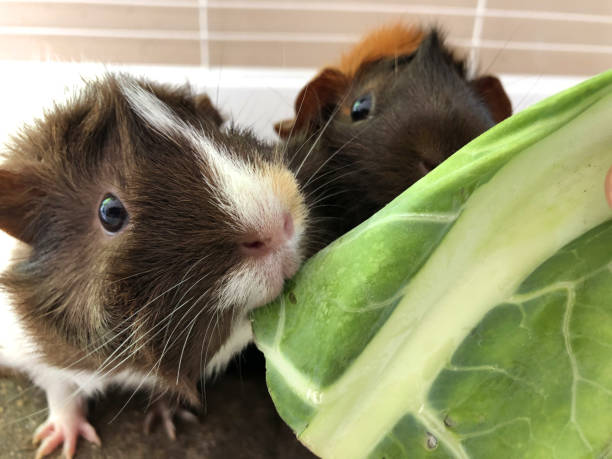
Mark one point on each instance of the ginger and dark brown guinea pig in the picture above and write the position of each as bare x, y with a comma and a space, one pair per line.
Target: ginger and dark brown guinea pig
147, 234
395, 107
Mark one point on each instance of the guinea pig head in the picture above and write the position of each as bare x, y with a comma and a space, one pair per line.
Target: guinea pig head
149, 233
395, 119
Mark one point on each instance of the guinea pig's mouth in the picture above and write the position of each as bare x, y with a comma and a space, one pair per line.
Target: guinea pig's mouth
275, 270
260, 279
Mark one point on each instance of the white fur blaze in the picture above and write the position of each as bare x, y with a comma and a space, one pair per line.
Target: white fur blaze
152, 111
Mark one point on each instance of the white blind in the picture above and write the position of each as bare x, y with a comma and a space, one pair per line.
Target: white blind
507, 36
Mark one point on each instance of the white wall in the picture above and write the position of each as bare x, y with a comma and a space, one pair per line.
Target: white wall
251, 97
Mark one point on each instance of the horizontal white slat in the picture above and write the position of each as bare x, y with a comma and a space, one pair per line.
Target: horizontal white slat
288, 37
99, 32
168, 3
408, 8
534, 46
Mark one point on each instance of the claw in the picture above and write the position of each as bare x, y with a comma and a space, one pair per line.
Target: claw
66, 430
160, 410
89, 433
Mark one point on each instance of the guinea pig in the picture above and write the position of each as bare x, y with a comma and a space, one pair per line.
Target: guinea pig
146, 235
395, 107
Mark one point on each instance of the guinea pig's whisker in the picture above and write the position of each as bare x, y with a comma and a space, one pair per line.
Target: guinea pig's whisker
329, 182
132, 276
154, 368
21, 393
303, 144
202, 373
167, 318
69, 398
344, 145
130, 355
188, 290
331, 171
193, 322
166, 338
316, 141
204, 356
197, 301
321, 131
190, 268
26, 417
329, 195
215, 327
167, 345
131, 352
131, 396
318, 203
113, 336
519, 105
313, 145
159, 394
297, 114
310, 194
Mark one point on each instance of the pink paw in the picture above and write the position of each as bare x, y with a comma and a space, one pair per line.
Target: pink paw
160, 410
66, 430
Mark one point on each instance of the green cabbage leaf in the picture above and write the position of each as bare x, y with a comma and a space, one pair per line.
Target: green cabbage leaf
472, 316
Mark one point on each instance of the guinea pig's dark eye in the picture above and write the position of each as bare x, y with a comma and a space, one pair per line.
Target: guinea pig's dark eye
361, 107
112, 213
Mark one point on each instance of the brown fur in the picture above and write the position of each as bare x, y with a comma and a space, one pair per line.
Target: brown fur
424, 109
75, 287
327, 88
387, 41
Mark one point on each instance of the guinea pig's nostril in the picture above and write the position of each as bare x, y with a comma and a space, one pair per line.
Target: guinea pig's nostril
256, 247
265, 241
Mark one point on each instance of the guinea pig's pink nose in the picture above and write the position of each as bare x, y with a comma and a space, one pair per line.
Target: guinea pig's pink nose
266, 241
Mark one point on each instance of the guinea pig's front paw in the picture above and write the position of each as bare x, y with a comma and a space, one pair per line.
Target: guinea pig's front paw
64, 428
160, 411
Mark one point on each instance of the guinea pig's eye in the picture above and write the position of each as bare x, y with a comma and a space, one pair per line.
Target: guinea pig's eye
112, 214
361, 107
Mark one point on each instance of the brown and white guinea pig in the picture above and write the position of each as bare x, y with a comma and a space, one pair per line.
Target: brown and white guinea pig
147, 235
394, 108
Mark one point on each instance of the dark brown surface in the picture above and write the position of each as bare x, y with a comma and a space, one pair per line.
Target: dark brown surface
239, 422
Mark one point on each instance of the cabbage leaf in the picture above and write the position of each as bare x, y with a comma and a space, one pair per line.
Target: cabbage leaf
472, 315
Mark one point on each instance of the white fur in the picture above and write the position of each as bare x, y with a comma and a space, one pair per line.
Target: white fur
19, 351
246, 189
240, 337
247, 193
152, 110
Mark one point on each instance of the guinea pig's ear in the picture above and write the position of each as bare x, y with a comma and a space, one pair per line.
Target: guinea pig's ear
207, 110
315, 102
18, 196
490, 89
